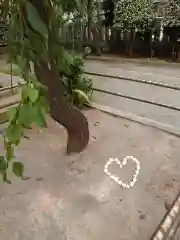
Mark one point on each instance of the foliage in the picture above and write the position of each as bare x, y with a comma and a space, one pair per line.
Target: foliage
79, 9
33, 104
4, 4
32, 109
108, 6
68, 5
133, 14
171, 16
30, 41
79, 87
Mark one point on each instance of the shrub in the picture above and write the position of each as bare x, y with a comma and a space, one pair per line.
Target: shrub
79, 87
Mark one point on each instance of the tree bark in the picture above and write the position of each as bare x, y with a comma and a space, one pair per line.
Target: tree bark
131, 46
61, 111
89, 16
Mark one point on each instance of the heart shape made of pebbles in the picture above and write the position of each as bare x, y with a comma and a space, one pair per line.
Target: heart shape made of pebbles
121, 165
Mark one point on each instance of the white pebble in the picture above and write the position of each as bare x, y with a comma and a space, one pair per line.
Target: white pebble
121, 165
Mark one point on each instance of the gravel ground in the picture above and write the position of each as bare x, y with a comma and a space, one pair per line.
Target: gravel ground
70, 197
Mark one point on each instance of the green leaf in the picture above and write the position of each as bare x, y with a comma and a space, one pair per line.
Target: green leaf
82, 94
14, 133
33, 94
43, 102
29, 93
11, 113
40, 120
23, 66
23, 93
68, 58
35, 21
18, 169
9, 152
2, 164
27, 114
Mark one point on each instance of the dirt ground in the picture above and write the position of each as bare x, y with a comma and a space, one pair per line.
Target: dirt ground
71, 198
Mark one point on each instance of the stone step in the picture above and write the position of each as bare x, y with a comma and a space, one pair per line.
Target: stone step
8, 91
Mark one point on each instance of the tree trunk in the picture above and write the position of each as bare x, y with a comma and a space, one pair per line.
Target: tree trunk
4, 5
61, 111
131, 49
99, 22
178, 53
89, 13
132, 38
151, 45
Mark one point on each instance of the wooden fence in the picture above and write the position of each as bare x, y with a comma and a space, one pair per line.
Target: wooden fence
3, 32
99, 38
79, 35
108, 39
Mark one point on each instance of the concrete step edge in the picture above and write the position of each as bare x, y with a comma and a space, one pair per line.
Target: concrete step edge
8, 91
145, 121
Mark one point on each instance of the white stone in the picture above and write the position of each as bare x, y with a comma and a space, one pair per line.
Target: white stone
121, 165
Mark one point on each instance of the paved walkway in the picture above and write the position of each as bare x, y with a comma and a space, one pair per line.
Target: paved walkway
5, 80
123, 59
71, 198
161, 74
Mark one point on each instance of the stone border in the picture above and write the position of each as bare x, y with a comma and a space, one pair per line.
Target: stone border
3, 110
120, 59
145, 121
